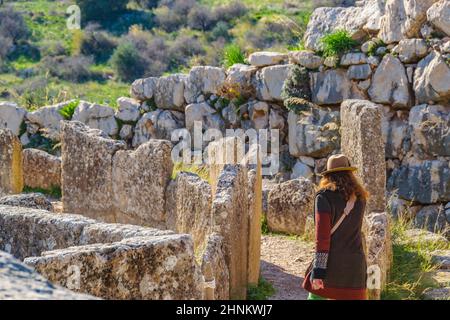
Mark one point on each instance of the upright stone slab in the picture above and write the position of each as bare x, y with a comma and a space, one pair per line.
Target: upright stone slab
41, 169
362, 142
11, 174
188, 207
87, 162
254, 224
139, 181
230, 214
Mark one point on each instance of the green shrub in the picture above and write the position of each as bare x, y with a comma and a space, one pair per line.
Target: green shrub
54, 192
97, 44
296, 92
127, 62
337, 43
68, 110
262, 291
101, 10
232, 54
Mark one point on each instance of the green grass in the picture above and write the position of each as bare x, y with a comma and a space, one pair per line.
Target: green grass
68, 110
337, 43
411, 268
54, 192
233, 54
201, 171
262, 291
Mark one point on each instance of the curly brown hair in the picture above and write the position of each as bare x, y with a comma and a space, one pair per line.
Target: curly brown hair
345, 182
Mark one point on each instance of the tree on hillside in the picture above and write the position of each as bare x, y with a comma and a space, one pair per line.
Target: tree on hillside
101, 10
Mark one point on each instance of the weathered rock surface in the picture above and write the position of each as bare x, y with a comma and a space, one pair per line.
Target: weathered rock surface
431, 218
48, 118
11, 117
128, 109
230, 216
362, 141
11, 173
155, 268
205, 114
289, 204
139, 181
403, 19
441, 258
241, 74
87, 161
306, 58
411, 50
27, 200
359, 72
315, 135
330, 86
430, 126
188, 207
143, 89
353, 58
41, 169
390, 83
426, 181
396, 133
439, 15
356, 20
301, 170
20, 282
269, 82
97, 116
259, 114
203, 80
169, 92
432, 79
266, 58
379, 248
158, 124
254, 223
213, 262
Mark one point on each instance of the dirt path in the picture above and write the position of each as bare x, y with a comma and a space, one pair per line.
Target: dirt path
283, 263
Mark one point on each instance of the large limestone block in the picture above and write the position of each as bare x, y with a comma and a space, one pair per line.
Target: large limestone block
48, 119
379, 252
27, 232
439, 15
230, 218
306, 59
240, 74
390, 83
27, 200
20, 282
203, 80
289, 205
356, 20
11, 173
97, 116
128, 109
11, 117
411, 50
143, 89
423, 181
432, 79
41, 169
315, 135
403, 19
158, 268
158, 124
188, 207
269, 82
204, 113
169, 92
362, 142
215, 269
330, 87
432, 218
430, 127
87, 162
266, 58
396, 133
139, 181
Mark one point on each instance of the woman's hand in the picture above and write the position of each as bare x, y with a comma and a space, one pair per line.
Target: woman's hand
317, 284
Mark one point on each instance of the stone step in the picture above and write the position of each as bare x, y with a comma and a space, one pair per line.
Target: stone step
437, 294
441, 258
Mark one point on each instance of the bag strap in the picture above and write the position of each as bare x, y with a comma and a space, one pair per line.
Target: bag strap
347, 209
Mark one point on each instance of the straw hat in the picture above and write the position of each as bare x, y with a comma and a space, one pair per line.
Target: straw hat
337, 163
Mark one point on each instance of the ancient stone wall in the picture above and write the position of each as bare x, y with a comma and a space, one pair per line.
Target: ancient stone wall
11, 172
111, 261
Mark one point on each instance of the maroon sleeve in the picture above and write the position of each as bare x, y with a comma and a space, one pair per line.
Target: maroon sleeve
322, 216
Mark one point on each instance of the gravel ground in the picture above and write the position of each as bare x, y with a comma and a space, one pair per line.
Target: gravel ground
283, 263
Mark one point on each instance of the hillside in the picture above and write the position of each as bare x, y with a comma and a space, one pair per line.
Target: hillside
47, 63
